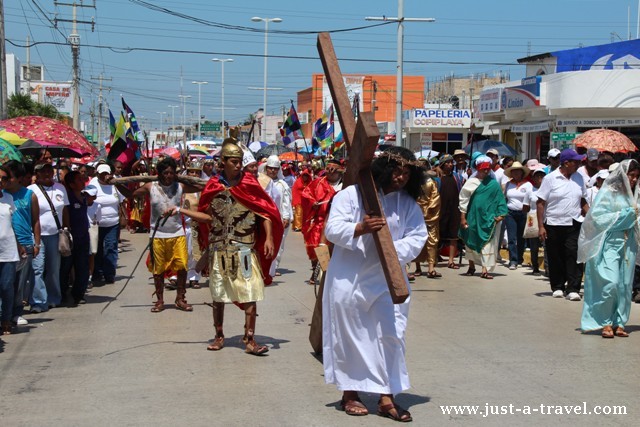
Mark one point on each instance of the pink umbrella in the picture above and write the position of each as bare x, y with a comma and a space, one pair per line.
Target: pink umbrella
605, 140
49, 132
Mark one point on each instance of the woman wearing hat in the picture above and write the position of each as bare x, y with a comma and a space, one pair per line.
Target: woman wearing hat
515, 191
482, 207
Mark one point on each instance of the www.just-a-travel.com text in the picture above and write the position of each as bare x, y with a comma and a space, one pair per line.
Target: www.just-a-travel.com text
542, 409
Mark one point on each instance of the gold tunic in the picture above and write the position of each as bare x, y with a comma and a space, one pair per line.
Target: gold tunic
235, 270
429, 202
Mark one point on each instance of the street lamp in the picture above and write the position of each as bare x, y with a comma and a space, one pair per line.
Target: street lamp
222, 61
266, 37
184, 115
173, 125
161, 114
199, 115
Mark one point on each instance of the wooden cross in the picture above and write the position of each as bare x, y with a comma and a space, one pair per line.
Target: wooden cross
361, 140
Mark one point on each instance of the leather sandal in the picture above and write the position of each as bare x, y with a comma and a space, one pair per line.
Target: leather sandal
181, 304
217, 344
395, 412
433, 274
486, 275
453, 266
620, 332
254, 348
158, 306
607, 332
354, 407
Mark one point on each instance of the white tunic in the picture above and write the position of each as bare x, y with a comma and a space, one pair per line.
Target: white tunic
363, 331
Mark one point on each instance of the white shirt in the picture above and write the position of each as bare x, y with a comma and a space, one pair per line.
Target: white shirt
499, 173
94, 212
563, 198
109, 198
8, 242
582, 170
286, 211
515, 196
58, 195
530, 199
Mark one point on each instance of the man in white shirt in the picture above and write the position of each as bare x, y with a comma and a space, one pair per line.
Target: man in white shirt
590, 168
272, 170
560, 206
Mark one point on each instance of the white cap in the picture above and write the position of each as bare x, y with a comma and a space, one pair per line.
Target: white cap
91, 190
103, 168
247, 158
554, 152
273, 161
613, 166
493, 151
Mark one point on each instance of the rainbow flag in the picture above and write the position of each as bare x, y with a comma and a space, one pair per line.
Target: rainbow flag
291, 128
324, 129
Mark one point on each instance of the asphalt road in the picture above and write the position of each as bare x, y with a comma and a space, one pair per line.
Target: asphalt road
504, 343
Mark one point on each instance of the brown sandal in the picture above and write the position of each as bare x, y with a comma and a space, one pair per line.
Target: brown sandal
181, 304
217, 344
395, 412
486, 275
354, 407
607, 332
453, 266
158, 306
620, 332
254, 348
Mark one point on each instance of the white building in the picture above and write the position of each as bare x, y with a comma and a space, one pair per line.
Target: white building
13, 74
568, 92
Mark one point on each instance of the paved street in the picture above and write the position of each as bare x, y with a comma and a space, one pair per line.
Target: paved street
470, 342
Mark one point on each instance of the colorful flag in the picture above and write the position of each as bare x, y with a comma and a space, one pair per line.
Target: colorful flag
136, 134
323, 129
291, 128
112, 123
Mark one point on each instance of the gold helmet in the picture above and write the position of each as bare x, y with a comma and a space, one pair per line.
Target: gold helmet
233, 136
230, 149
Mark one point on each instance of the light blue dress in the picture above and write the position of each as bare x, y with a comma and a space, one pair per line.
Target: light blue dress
609, 273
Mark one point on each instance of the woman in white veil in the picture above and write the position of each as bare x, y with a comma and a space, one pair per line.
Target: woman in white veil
608, 244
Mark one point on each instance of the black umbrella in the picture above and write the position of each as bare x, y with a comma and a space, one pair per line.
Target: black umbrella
272, 149
32, 148
488, 144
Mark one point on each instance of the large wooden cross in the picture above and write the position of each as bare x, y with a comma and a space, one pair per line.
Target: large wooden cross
361, 140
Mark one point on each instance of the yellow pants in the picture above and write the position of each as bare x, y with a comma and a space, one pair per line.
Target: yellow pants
169, 254
297, 217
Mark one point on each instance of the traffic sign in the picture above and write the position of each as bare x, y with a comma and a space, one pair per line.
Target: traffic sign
559, 136
210, 127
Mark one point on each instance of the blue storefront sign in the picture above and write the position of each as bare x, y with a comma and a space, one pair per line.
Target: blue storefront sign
620, 55
526, 95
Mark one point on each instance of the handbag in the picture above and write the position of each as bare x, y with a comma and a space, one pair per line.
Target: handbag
531, 226
65, 240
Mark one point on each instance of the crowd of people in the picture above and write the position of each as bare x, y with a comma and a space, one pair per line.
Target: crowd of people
227, 219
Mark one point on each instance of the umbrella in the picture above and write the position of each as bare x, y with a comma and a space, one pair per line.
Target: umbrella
32, 148
427, 154
198, 151
9, 152
605, 140
272, 149
172, 152
12, 138
49, 132
255, 146
488, 144
291, 156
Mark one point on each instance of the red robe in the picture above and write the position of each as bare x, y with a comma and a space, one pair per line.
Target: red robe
249, 193
318, 192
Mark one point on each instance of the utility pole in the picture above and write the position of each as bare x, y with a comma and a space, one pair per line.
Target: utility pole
400, 19
3, 67
100, 78
28, 76
74, 40
173, 121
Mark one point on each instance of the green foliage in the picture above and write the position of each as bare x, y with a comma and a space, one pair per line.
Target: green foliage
20, 105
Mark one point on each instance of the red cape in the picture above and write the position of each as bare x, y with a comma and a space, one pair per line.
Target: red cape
249, 193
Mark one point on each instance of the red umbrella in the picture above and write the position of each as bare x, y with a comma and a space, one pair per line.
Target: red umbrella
605, 140
49, 132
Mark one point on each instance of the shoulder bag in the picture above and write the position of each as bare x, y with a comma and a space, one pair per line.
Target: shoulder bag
65, 241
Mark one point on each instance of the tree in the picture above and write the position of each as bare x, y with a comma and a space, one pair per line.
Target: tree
20, 105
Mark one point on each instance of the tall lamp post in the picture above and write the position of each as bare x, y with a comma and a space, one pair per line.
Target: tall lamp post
184, 115
173, 117
161, 114
199, 115
266, 38
222, 61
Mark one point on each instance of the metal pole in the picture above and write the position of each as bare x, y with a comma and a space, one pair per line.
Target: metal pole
263, 134
399, 76
222, 61
161, 113
173, 119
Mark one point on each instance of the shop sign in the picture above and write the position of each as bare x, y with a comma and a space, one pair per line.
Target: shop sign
426, 140
530, 127
440, 118
599, 122
562, 140
490, 101
526, 95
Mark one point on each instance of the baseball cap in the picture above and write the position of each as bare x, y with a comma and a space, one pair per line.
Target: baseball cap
493, 151
568, 154
103, 168
90, 190
592, 154
39, 166
554, 152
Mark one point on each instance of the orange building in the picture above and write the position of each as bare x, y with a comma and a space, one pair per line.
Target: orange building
373, 90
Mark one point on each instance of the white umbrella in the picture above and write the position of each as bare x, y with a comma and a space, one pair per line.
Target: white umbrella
427, 154
255, 146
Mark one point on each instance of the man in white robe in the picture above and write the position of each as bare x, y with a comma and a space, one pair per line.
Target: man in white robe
272, 170
363, 331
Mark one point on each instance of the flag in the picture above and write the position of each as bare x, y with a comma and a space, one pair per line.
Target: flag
291, 128
118, 132
135, 134
323, 130
112, 123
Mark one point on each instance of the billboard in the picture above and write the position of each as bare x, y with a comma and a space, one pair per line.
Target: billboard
58, 94
620, 55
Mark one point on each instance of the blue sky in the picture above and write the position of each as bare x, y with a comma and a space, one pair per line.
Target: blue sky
469, 36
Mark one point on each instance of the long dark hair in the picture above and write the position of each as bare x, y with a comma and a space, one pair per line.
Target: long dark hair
382, 169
